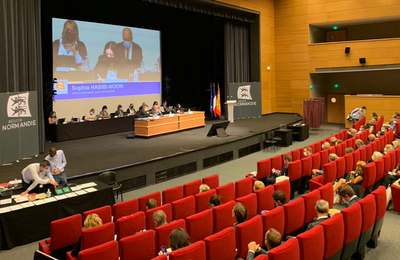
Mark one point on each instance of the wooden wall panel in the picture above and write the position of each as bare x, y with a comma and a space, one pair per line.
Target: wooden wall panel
267, 47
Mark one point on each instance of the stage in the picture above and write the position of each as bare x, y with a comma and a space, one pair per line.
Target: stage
145, 161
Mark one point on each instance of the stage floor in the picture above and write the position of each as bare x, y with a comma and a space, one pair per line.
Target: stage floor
97, 154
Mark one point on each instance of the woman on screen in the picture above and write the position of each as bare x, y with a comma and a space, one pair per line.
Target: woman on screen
69, 45
105, 66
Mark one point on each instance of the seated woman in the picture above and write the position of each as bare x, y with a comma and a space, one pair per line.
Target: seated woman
119, 111
388, 148
131, 110
92, 221
204, 188
105, 66
215, 200
239, 213
104, 113
91, 115
178, 239
53, 118
354, 179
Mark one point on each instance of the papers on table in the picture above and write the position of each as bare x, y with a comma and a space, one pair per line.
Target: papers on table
81, 192
5, 210
60, 197
6, 201
87, 185
21, 199
71, 194
76, 188
16, 207
91, 190
51, 199
27, 204
39, 202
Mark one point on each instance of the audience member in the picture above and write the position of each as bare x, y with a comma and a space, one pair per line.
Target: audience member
204, 188
326, 146
322, 208
37, 178
258, 185
339, 141
159, 218
316, 172
388, 148
272, 239
375, 116
151, 204
57, 162
348, 150
354, 179
215, 200
53, 118
307, 151
178, 239
371, 138
104, 113
348, 195
91, 221
396, 143
376, 156
352, 132
333, 141
357, 114
279, 197
283, 172
359, 144
239, 213
91, 115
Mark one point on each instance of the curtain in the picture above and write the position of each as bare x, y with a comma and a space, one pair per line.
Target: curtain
237, 52
21, 52
210, 8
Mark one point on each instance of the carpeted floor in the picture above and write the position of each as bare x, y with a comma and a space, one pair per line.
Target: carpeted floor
97, 154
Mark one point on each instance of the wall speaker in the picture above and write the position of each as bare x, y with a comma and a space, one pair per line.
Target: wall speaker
347, 50
336, 35
363, 60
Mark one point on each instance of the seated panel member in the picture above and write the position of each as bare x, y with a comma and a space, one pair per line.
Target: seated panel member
37, 178
119, 111
165, 107
91, 115
104, 113
57, 162
178, 109
144, 112
156, 111
131, 110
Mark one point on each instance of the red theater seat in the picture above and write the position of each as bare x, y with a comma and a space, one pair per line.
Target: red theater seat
191, 188
327, 194
316, 183
283, 186
393, 159
167, 208
250, 202
277, 162
274, 219
334, 237
107, 251
129, 225
380, 205
60, 239
369, 152
227, 192
212, 181
396, 197
170, 195
369, 178
183, 208
125, 208
294, 216
103, 212
288, 251
160, 257
221, 245
248, 231
387, 160
222, 216
380, 169
368, 210
330, 172
363, 154
263, 169
261, 257
349, 162
296, 154
203, 200
163, 232
200, 225
311, 244
324, 157
306, 166
316, 161
294, 174
143, 200
310, 201
352, 230
196, 251
132, 247
356, 158
264, 199
338, 150
243, 187
340, 167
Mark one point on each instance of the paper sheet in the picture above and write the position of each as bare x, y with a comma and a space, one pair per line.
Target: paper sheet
27, 204
21, 199
87, 185
81, 192
16, 207
91, 190
4, 210
39, 202
76, 188
51, 199
71, 194
5, 201
60, 197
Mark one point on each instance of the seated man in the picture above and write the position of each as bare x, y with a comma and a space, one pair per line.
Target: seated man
151, 204
37, 178
326, 146
279, 197
322, 208
144, 112
307, 151
316, 172
283, 172
159, 218
57, 162
333, 140
348, 150
347, 195
272, 239
215, 200
239, 213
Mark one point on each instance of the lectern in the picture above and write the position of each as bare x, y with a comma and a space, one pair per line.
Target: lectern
231, 106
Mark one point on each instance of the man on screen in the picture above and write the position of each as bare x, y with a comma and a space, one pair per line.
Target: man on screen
129, 54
